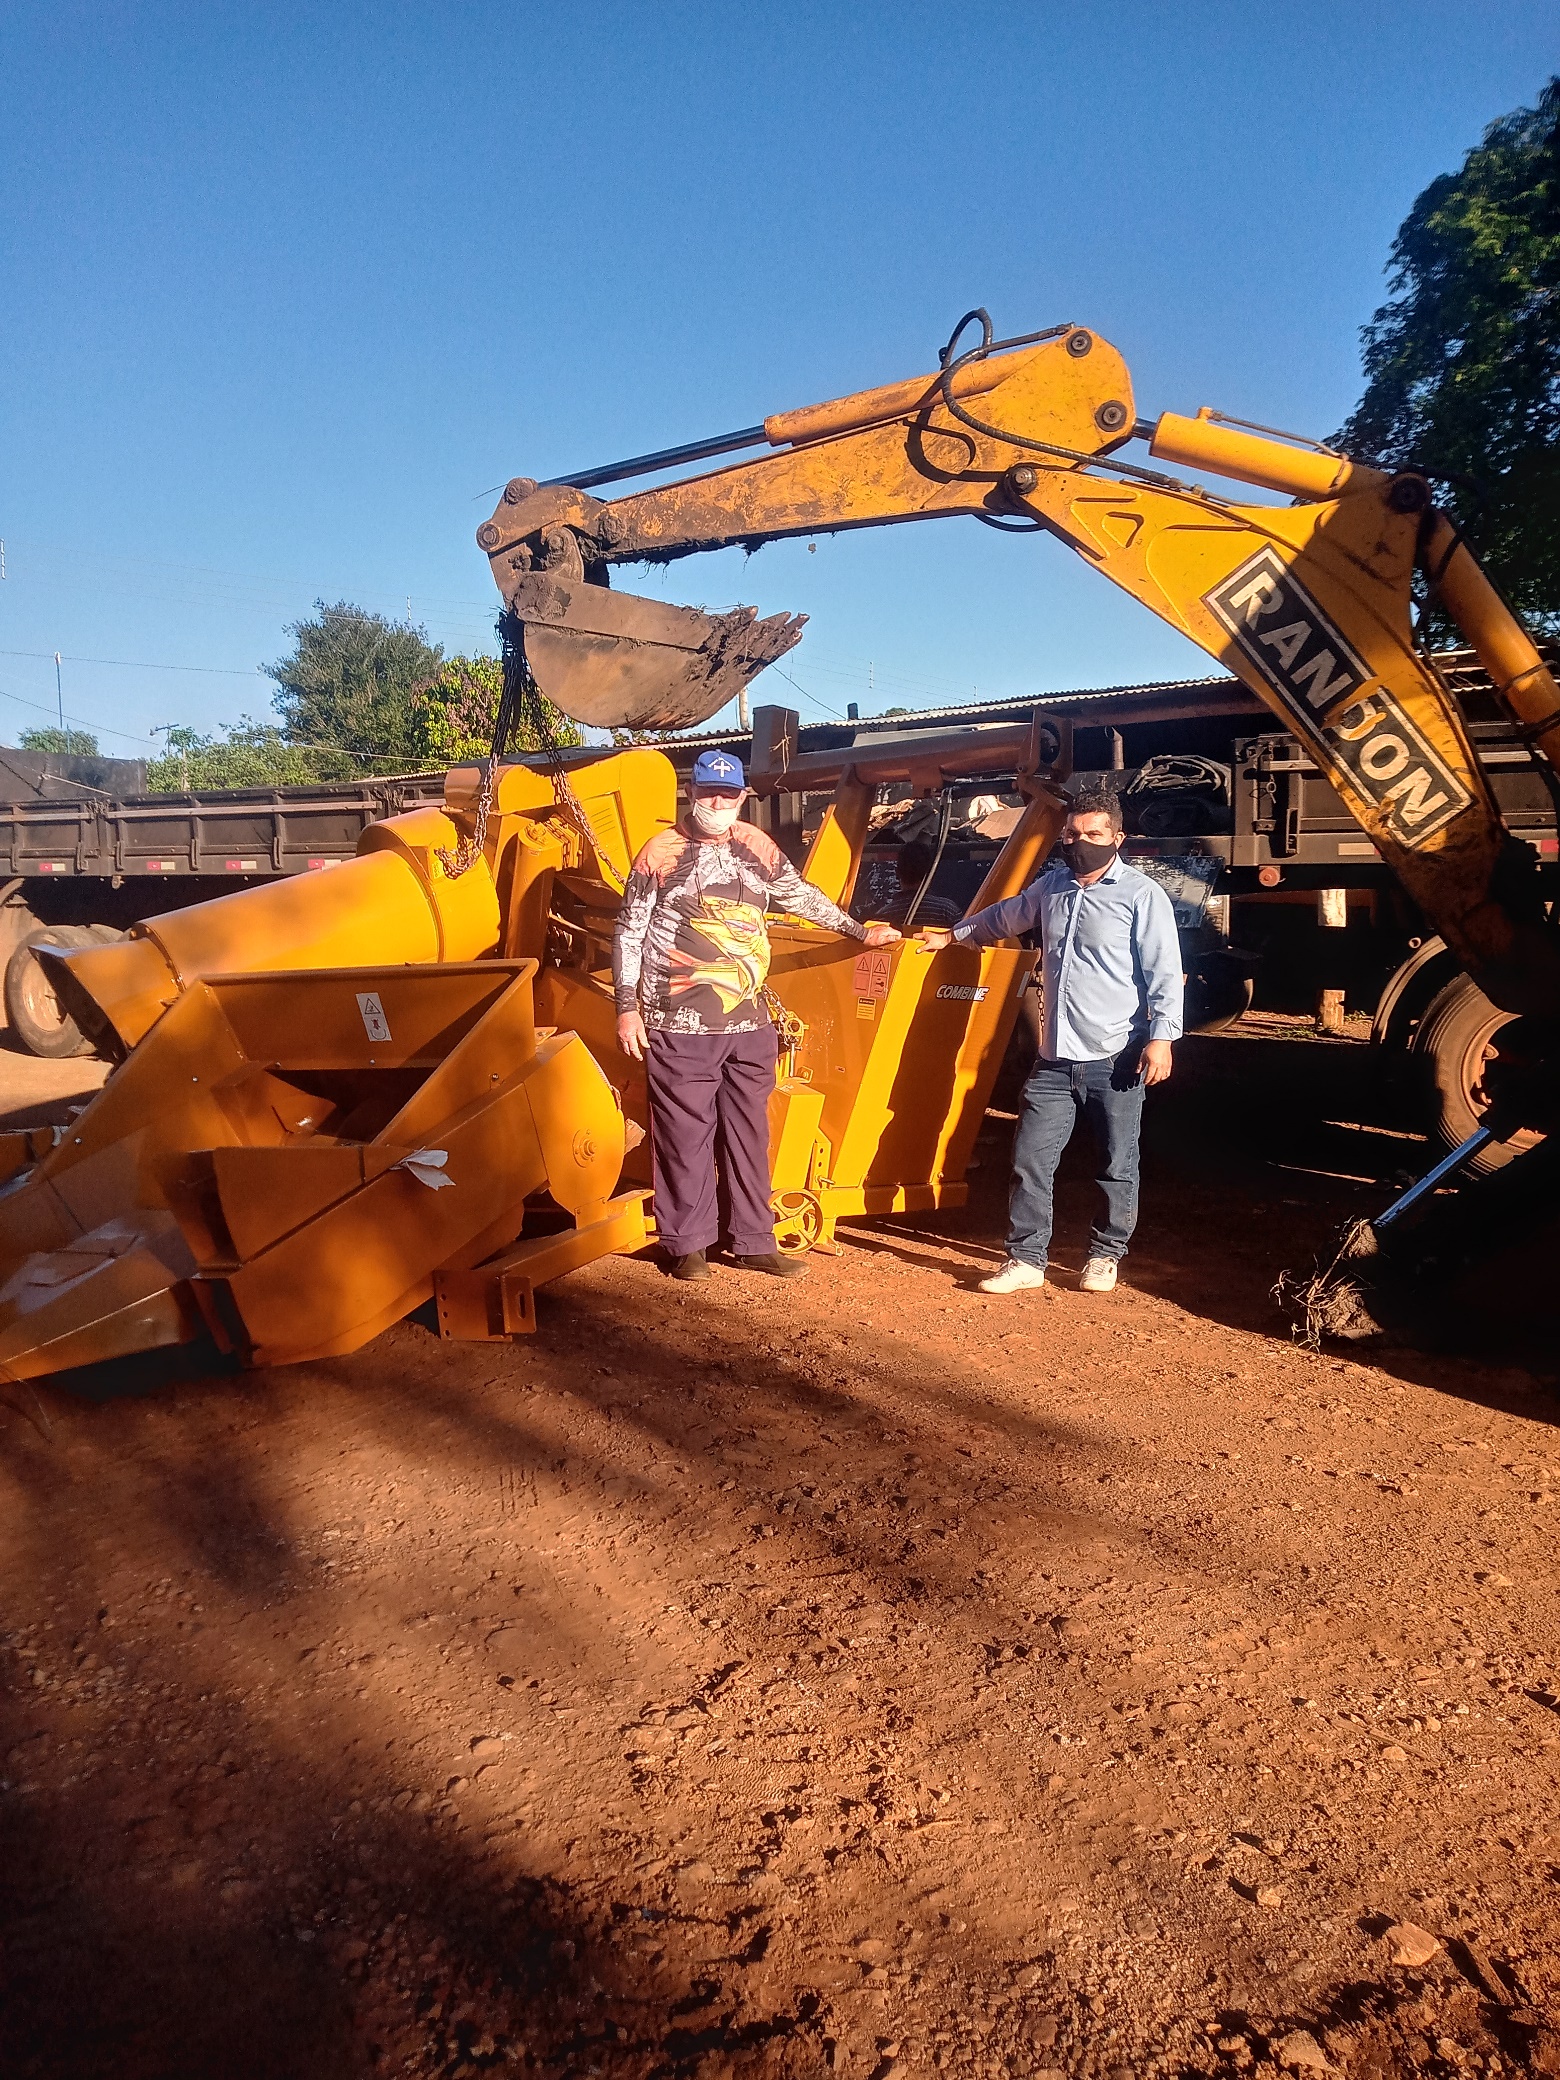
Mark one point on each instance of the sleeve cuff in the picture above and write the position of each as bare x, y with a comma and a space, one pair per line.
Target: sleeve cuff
1163, 1029
853, 928
627, 998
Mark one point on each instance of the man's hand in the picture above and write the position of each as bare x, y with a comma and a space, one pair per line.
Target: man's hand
632, 1038
882, 935
1155, 1065
935, 935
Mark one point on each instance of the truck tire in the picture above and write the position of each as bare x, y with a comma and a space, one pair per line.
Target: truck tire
32, 1010
1454, 1039
1219, 990
1409, 992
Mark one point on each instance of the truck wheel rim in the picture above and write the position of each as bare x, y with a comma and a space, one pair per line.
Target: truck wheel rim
39, 1001
1480, 1050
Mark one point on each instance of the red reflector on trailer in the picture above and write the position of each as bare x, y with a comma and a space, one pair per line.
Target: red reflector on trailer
242, 866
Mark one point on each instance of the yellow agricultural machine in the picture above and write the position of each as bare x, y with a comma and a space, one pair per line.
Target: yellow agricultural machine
344, 1094
348, 1093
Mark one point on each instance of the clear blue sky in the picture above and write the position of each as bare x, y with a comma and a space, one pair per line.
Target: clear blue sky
284, 290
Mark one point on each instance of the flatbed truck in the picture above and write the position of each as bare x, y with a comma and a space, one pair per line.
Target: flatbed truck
80, 862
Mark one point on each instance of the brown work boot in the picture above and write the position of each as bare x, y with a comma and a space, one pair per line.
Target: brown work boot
777, 1265
690, 1266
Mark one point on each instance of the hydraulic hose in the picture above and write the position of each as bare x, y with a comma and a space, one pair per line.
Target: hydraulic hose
943, 821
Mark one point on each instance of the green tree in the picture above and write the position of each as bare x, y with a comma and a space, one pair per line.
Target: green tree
1463, 364
250, 754
349, 682
450, 719
455, 710
72, 743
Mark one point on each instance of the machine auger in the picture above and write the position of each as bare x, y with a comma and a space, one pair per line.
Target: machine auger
347, 1094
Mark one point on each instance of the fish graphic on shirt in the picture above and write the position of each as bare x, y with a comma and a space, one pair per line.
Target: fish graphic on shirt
738, 960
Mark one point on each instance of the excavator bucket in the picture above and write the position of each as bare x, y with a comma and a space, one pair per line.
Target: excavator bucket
616, 662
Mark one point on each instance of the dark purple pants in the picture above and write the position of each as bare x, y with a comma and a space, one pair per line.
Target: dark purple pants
709, 1101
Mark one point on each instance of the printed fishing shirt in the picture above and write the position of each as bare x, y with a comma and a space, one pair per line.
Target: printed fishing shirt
692, 946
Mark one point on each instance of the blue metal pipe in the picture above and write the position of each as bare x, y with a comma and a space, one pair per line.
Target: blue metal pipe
1405, 1201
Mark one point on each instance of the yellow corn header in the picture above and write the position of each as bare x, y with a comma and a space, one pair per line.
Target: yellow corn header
346, 1094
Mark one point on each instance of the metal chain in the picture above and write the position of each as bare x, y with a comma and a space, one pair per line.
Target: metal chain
522, 704
456, 860
569, 802
532, 711
522, 707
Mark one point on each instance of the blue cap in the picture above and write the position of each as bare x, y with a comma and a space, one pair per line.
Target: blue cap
718, 769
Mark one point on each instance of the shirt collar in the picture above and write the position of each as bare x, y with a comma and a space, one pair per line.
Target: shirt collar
1111, 873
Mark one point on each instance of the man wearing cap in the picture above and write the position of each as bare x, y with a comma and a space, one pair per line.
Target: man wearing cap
689, 958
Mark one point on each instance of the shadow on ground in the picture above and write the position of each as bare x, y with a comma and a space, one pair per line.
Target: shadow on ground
269, 1639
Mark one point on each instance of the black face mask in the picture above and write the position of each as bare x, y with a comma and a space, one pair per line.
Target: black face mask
1083, 855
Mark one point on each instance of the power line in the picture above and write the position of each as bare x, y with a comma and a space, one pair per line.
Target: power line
140, 664
282, 593
806, 696
103, 729
80, 721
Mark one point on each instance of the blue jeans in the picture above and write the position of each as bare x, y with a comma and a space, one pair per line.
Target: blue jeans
1109, 1095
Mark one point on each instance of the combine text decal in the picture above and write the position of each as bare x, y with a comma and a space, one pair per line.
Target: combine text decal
1312, 667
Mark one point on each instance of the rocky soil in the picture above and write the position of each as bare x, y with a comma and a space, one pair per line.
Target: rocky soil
865, 1676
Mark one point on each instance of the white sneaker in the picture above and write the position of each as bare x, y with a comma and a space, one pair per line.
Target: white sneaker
1099, 1275
1014, 1277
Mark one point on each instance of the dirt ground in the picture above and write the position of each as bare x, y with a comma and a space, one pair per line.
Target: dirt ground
865, 1676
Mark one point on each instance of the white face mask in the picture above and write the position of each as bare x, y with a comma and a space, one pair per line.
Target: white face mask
714, 817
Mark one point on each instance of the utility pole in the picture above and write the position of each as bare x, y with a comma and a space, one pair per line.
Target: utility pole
59, 688
170, 730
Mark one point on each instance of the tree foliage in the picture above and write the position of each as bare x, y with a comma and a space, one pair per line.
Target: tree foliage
443, 719
1462, 365
380, 695
70, 743
454, 713
348, 686
250, 754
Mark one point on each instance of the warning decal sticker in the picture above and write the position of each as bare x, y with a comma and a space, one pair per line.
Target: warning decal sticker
375, 1024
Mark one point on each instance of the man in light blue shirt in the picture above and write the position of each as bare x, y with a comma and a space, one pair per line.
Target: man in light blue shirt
1112, 988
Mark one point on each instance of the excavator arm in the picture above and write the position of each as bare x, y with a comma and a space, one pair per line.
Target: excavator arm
1309, 603
344, 1095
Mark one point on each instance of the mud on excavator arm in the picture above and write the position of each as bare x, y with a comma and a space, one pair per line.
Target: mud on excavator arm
344, 1095
1308, 603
